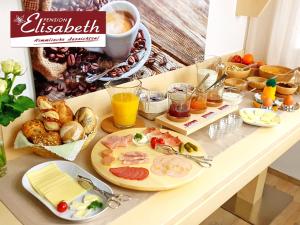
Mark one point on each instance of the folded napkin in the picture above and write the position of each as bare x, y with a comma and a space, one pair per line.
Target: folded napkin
67, 151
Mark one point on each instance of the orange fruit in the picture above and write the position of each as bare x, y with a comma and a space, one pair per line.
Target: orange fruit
267, 102
248, 59
289, 100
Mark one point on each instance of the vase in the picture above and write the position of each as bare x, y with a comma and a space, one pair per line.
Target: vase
2, 155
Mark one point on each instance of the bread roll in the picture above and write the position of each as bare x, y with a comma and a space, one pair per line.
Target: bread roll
51, 120
49, 115
71, 131
64, 111
47, 139
86, 117
33, 128
43, 103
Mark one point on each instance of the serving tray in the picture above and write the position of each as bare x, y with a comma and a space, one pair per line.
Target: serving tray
153, 182
73, 170
197, 121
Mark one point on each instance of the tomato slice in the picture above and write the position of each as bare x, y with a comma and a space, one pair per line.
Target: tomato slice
160, 141
153, 142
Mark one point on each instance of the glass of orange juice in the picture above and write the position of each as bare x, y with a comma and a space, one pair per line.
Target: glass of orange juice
124, 101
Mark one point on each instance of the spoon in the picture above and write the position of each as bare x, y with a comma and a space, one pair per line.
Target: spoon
291, 71
200, 84
217, 82
91, 77
249, 66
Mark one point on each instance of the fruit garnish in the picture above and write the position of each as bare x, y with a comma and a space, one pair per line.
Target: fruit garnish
288, 100
62, 206
248, 59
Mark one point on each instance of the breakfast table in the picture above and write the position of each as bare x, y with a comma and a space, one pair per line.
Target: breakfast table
239, 158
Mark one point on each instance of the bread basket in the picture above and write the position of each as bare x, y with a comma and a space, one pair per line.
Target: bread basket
41, 151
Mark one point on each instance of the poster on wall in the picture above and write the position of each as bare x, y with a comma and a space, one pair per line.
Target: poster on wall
146, 38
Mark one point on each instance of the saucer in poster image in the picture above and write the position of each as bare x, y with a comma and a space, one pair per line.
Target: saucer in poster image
143, 57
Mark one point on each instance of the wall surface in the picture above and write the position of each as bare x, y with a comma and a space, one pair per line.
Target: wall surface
257, 40
19, 54
225, 31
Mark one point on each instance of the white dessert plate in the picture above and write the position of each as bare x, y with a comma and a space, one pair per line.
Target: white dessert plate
259, 117
138, 65
73, 170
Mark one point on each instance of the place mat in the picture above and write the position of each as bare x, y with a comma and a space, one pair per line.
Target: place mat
30, 211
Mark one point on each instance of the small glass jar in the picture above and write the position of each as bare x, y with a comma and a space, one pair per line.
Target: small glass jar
179, 103
199, 102
215, 95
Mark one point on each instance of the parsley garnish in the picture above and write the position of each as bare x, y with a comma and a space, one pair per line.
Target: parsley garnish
95, 204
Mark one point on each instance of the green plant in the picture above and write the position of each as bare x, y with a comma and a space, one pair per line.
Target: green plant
12, 103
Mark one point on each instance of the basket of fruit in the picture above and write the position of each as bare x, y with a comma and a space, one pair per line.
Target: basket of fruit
56, 131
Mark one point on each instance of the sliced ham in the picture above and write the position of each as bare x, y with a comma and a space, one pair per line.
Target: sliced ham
134, 157
135, 161
130, 173
149, 130
106, 152
107, 160
114, 141
174, 141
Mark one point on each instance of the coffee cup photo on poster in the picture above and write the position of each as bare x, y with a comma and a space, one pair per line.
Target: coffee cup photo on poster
122, 25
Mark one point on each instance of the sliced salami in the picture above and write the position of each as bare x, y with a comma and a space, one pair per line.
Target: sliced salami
130, 173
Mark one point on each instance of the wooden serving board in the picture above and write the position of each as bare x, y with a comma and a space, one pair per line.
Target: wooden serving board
197, 121
153, 182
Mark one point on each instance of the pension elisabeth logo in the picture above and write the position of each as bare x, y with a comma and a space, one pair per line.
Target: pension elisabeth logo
60, 29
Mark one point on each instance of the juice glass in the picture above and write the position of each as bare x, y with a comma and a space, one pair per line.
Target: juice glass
124, 101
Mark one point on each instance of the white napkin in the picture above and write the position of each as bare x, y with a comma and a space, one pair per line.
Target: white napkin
67, 151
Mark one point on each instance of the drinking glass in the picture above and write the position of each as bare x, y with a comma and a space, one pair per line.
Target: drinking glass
124, 101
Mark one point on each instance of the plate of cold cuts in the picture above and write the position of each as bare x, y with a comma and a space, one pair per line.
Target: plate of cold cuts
143, 53
130, 159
